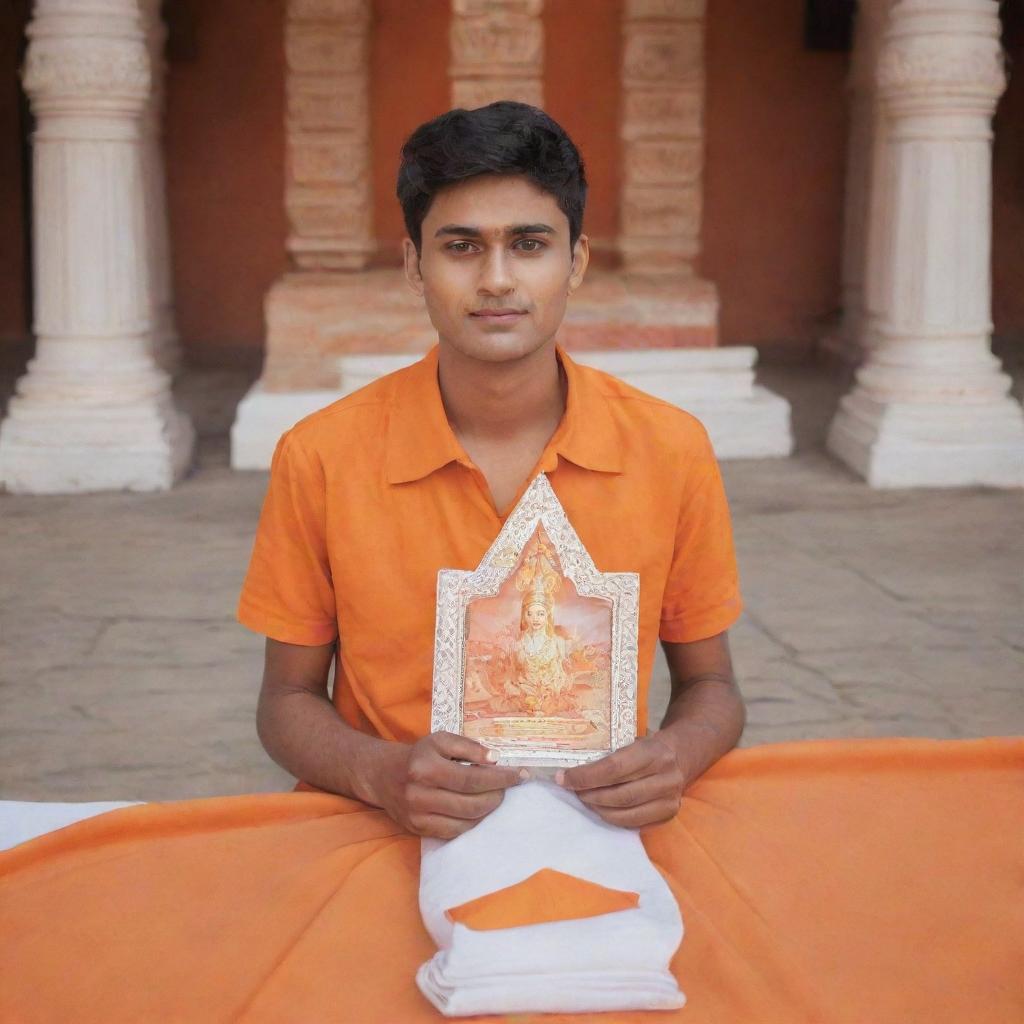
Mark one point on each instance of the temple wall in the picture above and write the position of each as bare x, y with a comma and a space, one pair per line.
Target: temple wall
773, 180
401, 101
13, 314
773, 177
1008, 193
224, 133
582, 85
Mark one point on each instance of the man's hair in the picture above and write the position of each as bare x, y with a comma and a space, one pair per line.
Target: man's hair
501, 138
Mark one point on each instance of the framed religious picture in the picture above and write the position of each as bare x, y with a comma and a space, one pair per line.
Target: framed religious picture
535, 651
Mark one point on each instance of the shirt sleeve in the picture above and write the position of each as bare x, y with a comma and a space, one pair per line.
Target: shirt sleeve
288, 594
702, 596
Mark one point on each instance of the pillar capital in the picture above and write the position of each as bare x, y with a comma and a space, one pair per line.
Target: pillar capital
87, 56
935, 58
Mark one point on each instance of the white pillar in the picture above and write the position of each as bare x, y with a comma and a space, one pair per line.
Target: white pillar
166, 347
94, 412
930, 406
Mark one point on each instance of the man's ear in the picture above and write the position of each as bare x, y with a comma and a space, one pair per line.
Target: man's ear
411, 260
580, 260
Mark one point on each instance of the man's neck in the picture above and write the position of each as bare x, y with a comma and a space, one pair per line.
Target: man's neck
490, 402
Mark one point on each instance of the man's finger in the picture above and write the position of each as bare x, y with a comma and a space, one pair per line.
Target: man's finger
461, 748
630, 762
627, 794
473, 778
440, 827
653, 813
464, 806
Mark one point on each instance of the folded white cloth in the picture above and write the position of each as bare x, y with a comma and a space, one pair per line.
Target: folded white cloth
617, 961
21, 820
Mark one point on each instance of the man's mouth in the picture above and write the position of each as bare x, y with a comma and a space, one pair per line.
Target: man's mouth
505, 314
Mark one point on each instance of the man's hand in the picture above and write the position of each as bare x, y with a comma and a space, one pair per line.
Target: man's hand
640, 784
643, 784
427, 791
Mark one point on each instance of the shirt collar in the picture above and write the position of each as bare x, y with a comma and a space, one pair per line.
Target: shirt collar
420, 440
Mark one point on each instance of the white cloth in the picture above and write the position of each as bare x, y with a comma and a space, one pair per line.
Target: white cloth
21, 820
618, 961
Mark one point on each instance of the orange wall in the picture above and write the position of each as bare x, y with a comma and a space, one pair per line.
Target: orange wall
1008, 188
224, 137
775, 131
409, 75
13, 271
574, 76
582, 55
775, 137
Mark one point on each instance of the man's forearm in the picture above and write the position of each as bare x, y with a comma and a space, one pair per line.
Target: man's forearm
703, 723
306, 736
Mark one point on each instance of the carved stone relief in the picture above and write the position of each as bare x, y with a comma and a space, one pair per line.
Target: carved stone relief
328, 191
662, 133
497, 52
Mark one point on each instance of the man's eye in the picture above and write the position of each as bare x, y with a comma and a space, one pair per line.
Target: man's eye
460, 247
530, 244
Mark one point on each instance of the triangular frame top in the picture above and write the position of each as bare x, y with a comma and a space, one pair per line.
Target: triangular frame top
457, 587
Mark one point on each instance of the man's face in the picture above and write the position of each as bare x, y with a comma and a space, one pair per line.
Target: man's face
495, 267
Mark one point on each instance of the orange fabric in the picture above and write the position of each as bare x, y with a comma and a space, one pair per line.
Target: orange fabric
371, 496
834, 882
547, 895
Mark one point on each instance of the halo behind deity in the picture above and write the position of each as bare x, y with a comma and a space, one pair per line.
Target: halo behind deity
588, 708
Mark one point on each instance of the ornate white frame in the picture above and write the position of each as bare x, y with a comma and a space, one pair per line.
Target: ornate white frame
457, 587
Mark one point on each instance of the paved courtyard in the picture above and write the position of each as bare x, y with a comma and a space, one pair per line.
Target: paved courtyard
123, 674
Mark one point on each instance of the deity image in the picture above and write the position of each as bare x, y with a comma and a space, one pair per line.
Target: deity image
538, 659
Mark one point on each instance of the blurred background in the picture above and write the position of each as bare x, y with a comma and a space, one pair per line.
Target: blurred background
808, 226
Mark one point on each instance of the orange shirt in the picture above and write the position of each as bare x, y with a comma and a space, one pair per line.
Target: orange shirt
371, 496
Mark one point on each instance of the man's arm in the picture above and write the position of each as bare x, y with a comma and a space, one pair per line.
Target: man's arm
706, 715
421, 786
643, 783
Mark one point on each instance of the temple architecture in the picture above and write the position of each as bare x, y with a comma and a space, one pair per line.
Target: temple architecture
930, 403
333, 322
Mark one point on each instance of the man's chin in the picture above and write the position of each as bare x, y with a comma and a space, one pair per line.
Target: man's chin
499, 347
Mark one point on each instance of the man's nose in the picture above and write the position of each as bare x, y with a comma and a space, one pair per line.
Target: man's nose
496, 274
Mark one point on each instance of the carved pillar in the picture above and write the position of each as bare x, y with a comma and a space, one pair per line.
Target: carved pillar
865, 148
662, 132
930, 406
94, 412
166, 347
328, 193
497, 52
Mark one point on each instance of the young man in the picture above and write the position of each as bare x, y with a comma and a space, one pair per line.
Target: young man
799, 868
370, 497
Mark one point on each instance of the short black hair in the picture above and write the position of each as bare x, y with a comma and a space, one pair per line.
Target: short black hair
502, 138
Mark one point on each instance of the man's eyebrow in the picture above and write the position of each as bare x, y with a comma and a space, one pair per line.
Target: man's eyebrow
465, 231
457, 229
531, 229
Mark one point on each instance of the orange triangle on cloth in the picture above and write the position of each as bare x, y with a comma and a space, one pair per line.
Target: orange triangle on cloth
547, 895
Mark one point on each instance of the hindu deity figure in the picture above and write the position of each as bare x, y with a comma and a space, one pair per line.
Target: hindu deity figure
540, 680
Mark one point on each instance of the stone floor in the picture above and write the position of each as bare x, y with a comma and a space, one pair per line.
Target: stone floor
124, 676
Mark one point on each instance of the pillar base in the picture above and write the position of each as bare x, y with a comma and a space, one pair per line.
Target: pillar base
60, 449
904, 444
715, 385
